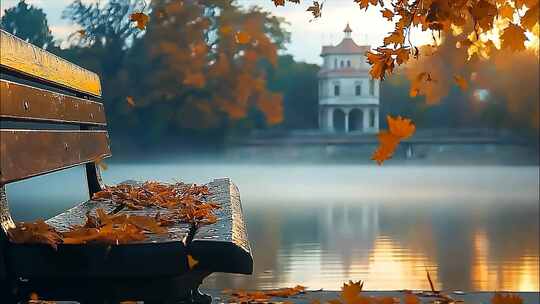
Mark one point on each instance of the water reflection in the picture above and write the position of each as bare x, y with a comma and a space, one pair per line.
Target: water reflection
473, 228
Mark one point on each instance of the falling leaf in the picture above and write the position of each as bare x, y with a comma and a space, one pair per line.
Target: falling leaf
140, 18
279, 2
242, 37
401, 127
315, 9
101, 163
461, 82
130, 101
192, 262
513, 37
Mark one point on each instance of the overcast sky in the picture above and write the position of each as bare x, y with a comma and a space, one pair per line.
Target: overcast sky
307, 35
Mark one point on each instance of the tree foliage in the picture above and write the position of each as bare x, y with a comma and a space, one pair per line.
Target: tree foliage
28, 23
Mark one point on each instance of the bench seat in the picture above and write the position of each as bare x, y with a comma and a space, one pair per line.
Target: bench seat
222, 246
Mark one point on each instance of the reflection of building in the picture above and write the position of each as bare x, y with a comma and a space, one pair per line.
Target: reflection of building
348, 96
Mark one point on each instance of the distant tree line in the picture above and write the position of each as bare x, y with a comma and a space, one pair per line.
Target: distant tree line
193, 81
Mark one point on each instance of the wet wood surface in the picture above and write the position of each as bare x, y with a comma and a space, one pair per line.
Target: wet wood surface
28, 153
22, 57
23, 102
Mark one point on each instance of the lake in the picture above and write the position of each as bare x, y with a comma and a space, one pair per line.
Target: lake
473, 228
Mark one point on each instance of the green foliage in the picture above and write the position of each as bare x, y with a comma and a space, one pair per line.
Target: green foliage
28, 23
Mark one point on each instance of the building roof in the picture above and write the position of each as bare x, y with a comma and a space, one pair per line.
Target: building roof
346, 46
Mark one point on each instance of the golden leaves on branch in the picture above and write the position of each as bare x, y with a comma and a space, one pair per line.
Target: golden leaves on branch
140, 18
398, 129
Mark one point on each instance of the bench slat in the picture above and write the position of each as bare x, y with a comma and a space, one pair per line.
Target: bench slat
25, 58
27, 153
224, 246
23, 102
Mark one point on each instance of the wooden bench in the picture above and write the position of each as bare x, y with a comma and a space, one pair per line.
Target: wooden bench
38, 93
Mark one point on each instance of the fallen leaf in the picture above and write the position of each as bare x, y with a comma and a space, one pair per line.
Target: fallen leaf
192, 262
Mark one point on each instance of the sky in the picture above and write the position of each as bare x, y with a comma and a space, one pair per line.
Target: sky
307, 35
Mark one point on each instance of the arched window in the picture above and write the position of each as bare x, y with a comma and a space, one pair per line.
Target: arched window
341, 64
336, 89
358, 89
371, 87
348, 63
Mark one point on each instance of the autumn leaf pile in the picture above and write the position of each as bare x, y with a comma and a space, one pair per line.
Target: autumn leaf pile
180, 203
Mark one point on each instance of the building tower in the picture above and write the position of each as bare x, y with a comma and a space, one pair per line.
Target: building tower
348, 96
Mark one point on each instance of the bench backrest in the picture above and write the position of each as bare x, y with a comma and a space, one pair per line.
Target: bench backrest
51, 117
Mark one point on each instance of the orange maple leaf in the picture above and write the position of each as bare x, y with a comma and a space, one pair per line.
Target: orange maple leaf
401, 127
513, 37
192, 262
140, 18
388, 14
350, 291
365, 3
500, 298
530, 18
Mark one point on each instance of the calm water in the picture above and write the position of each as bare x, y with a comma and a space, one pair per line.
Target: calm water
474, 228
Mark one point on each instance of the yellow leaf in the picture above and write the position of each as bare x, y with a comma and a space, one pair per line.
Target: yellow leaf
192, 262
365, 3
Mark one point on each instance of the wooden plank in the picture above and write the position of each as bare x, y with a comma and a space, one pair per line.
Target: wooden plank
24, 102
25, 58
224, 246
27, 153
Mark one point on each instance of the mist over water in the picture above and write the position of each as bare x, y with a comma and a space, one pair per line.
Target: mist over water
473, 227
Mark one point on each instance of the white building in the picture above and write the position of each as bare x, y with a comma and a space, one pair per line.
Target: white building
348, 96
